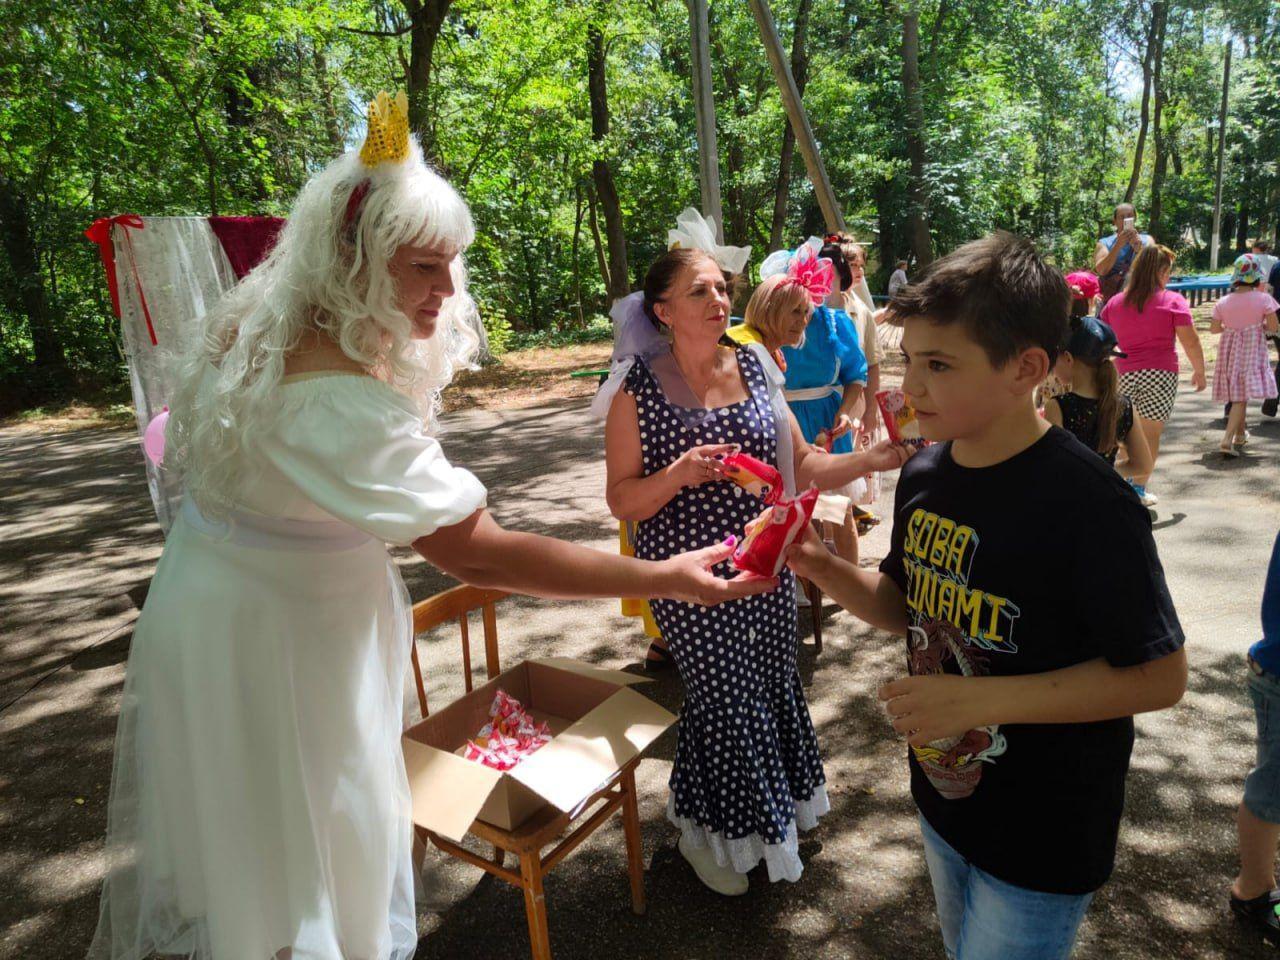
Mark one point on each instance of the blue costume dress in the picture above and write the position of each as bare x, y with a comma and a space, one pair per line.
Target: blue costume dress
818, 371
747, 774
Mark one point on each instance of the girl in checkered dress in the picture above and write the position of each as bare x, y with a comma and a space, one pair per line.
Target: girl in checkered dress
1242, 373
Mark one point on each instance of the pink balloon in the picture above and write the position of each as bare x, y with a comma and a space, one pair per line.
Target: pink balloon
153, 437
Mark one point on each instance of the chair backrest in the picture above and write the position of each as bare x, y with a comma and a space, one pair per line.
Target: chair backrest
451, 605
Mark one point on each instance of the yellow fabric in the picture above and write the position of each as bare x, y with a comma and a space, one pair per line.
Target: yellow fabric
632, 607
388, 136
741, 333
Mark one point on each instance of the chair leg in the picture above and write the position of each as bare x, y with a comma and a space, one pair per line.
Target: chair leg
814, 593
631, 828
535, 904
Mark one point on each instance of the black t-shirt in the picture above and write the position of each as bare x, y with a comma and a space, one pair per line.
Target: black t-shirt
1080, 419
1038, 563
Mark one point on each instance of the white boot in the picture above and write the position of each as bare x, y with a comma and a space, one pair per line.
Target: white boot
723, 880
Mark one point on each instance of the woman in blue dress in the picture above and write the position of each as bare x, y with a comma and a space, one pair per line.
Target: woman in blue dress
826, 377
747, 773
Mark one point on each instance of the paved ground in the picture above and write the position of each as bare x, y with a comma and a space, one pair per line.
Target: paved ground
79, 546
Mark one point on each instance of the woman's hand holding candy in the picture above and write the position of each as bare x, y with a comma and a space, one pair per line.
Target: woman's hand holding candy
690, 578
887, 455
699, 465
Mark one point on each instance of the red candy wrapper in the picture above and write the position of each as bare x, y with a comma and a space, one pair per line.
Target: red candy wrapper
900, 418
754, 476
763, 549
510, 735
824, 439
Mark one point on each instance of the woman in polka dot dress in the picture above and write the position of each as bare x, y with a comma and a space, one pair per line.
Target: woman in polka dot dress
748, 772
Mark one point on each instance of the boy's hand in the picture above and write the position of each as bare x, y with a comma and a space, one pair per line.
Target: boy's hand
932, 707
809, 557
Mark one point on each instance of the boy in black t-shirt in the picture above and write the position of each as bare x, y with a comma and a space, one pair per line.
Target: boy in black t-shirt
1024, 678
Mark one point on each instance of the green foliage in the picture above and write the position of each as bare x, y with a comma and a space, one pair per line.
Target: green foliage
200, 106
498, 332
599, 329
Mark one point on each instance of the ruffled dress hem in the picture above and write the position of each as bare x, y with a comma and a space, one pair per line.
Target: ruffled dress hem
742, 854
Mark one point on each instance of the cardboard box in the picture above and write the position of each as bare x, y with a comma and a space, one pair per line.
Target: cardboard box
598, 724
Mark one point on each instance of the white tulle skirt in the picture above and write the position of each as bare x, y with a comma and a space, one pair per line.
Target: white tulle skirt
259, 805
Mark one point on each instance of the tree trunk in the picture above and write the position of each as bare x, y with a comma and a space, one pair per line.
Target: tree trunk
1159, 170
618, 280
427, 17
786, 157
333, 129
735, 200
577, 246
1147, 58
917, 189
1216, 240
593, 221
27, 293
888, 248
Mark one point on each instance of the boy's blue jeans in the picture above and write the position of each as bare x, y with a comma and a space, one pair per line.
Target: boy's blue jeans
984, 918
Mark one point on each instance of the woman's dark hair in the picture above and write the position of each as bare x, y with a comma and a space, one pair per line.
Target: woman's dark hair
1106, 379
831, 250
662, 274
1079, 308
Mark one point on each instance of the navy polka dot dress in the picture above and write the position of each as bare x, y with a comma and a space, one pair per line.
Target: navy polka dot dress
747, 771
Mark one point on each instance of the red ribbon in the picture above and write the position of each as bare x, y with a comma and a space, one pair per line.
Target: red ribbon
356, 198
100, 233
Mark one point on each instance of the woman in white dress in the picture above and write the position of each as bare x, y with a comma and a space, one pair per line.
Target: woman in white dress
259, 805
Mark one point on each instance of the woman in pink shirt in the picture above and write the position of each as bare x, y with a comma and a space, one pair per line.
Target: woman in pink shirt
1147, 320
1242, 371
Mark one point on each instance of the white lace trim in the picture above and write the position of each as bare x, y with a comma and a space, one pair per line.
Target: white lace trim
743, 853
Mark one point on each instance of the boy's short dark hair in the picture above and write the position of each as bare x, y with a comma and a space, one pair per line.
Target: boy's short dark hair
1008, 299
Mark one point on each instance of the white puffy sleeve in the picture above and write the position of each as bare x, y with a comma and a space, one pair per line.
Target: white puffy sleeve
358, 451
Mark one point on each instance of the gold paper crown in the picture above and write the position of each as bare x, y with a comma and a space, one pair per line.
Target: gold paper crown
388, 138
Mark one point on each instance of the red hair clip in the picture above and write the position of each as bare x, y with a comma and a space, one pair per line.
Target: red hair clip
353, 203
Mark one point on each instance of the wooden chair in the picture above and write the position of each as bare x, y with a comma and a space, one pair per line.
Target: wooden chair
814, 595
542, 829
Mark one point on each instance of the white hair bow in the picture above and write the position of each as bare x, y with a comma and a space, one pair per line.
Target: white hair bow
696, 232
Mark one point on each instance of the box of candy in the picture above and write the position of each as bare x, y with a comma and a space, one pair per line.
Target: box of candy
544, 732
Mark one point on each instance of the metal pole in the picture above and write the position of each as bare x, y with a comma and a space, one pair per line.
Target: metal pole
1215, 241
705, 108
799, 119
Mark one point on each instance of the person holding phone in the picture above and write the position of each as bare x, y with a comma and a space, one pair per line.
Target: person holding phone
1114, 254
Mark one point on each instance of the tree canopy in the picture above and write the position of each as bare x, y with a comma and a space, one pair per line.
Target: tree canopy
569, 126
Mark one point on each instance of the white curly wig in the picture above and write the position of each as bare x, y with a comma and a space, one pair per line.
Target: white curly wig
326, 274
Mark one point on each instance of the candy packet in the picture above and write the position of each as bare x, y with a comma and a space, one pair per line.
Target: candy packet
900, 418
763, 549
754, 476
509, 737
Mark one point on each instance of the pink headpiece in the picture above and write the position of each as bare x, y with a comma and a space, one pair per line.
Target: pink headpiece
817, 275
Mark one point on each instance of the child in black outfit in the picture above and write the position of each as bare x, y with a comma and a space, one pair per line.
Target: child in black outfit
1019, 708
1094, 410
